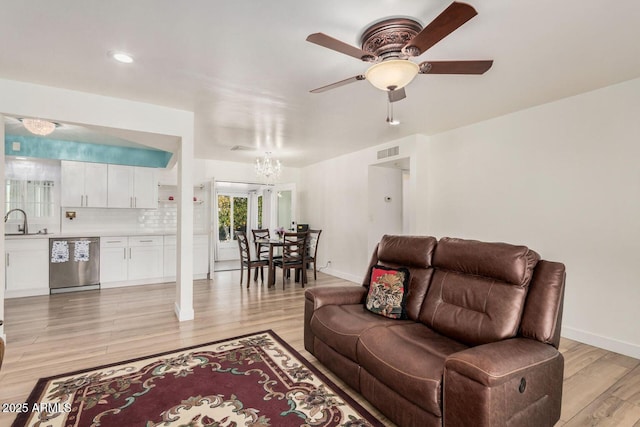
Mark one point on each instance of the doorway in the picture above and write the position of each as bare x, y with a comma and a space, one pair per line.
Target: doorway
388, 199
237, 207
284, 207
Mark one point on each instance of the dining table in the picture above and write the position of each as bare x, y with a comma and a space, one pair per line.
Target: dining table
273, 243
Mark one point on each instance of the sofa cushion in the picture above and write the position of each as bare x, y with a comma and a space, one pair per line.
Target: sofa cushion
409, 359
339, 326
500, 261
388, 291
478, 290
410, 251
415, 254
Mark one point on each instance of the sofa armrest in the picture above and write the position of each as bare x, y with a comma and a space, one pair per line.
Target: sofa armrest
315, 298
335, 295
515, 382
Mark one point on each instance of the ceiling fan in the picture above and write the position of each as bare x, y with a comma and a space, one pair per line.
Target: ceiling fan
390, 43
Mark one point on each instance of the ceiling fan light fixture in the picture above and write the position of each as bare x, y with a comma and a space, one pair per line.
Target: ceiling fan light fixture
392, 74
39, 126
390, 120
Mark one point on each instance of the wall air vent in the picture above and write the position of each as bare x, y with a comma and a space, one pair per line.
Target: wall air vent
241, 148
388, 152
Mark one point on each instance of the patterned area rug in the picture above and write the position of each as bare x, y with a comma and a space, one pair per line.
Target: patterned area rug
252, 380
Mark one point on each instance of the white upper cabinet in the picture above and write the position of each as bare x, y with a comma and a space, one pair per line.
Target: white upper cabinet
98, 185
83, 184
132, 187
120, 194
145, 188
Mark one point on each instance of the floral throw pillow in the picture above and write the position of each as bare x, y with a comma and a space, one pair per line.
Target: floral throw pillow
387, 291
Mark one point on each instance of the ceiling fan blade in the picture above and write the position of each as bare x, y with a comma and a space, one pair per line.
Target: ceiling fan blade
447, 22
455, 67
339, 46
338, 84
397, 95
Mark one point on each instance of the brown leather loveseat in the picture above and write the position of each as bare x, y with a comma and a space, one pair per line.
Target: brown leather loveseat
478, 345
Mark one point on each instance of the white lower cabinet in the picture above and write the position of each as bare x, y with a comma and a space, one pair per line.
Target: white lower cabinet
114, 259
137, 260
200, 256
145, 257
27, 267
131, 260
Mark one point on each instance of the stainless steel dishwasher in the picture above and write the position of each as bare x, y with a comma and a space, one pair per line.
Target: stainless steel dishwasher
74, 264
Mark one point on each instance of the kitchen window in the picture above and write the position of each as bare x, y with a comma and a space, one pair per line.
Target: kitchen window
33, 186
34, 197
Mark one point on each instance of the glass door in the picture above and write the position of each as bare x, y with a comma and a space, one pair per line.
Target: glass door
284, 207
233, 215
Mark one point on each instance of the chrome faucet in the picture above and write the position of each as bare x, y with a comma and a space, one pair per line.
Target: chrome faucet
25, 226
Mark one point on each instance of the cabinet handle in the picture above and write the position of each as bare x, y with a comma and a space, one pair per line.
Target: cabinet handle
125, 252
135, 202
130, 202
8, 263
129, 253
86, 201
146, 241
81, 200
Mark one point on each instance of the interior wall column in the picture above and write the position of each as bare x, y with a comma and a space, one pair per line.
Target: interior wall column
184, 275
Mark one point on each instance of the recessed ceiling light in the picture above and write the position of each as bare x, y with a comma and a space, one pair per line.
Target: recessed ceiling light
125, 58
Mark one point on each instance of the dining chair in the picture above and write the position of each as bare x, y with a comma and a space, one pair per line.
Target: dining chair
247, 261
294, 250
262, 251
312, 250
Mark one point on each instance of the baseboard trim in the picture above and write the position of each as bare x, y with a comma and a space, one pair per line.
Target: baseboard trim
20, 293
183, 315
607, 343
343, 275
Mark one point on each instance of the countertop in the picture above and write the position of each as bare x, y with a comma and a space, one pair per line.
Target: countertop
75, 235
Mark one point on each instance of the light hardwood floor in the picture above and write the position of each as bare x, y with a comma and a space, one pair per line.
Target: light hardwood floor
60, 333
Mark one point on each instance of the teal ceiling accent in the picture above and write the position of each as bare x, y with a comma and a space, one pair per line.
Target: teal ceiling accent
45, 148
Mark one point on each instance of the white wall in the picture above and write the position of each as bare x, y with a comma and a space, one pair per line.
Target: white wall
334, 197
564, 179
385, 203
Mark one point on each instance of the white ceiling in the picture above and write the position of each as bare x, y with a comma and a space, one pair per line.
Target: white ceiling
245, 68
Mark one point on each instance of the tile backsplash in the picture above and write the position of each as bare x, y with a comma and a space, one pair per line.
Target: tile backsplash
163, 220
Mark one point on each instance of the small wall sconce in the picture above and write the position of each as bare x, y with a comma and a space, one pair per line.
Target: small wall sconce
70, 215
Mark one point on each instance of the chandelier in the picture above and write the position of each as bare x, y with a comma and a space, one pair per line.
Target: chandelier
39, 126
267, 167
